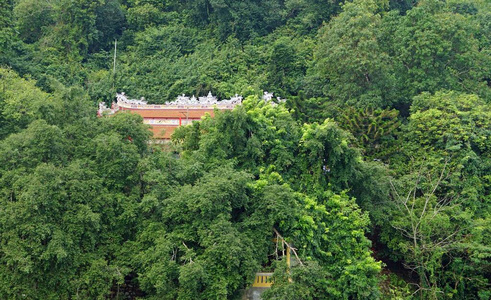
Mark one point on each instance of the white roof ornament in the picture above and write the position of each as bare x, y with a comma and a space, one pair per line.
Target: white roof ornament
208, 100
122, 99
102, 106
267, 96
234, 100
181, 100
104, 110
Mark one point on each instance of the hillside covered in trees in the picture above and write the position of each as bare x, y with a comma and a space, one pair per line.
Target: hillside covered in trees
377, 168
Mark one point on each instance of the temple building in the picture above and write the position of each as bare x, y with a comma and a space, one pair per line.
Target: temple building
165, 118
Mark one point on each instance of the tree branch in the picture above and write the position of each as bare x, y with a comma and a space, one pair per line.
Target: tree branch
289, 246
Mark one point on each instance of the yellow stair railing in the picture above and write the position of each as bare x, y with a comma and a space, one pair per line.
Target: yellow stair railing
263, 280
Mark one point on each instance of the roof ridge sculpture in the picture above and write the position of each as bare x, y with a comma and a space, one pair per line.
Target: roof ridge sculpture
121, 98
205, 101
268, 98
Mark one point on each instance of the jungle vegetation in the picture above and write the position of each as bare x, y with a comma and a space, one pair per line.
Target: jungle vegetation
377, 169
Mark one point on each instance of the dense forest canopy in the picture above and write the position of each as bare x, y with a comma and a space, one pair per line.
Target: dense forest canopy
377, 168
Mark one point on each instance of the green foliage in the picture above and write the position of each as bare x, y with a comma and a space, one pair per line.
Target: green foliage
244, 19
440, 195
307, 16
110, 23
211, 236
89, 209
32, 18
7, 36
51, 227
325, 157
354, 70
286, 69
394, 287
306, 282
64, 187
324, 160
446, 127
21, 102
254, 135
450, 121
339, 265
130, 128
375, 131
144, 16
388, 58
39, 143
426, 230
435, 49
402, 5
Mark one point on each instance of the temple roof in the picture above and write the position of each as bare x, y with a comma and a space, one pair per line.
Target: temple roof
165, 118
172, 113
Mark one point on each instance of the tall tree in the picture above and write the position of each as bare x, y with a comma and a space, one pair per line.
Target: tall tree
6, 31
349, 63
440, 196
437, 48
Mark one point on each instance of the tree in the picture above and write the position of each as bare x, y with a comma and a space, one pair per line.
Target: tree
325, 158
375, 131
53, 228
244, 20
117, 160
430, 227
308, 16
130, 128
255, 135
39, 143
21, 102
436, 48
285, 70
7, 35
439, 196
450, 121
330, 237
32, 18
349, 62
211, 236
73, 31
110, 24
